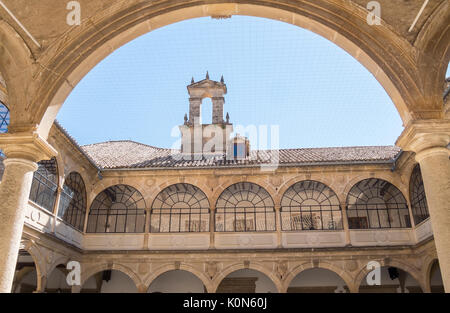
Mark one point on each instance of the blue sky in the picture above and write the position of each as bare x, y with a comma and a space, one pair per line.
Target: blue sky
276, 74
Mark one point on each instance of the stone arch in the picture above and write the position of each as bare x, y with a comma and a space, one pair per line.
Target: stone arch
104, 267
60, 261
183, 267
101, 185
199, 183
135, 202
344, 275
39, 261
352, 182
433, 41
261, 183
16, 66
429, 263
413, 271
292, 181
377, 48
241, 266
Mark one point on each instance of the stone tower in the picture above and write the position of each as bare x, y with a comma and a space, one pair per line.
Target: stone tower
206, 139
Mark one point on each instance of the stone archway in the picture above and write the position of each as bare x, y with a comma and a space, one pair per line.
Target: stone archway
246, 281
255, 270
434, 278
384, 53
407, 277
317, 280
110, 267
109, 281
179, 267
346, 278
177, 281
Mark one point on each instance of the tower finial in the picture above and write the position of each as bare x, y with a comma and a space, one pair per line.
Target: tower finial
207, 75
222, 80
228, 118
185, 119
192, 80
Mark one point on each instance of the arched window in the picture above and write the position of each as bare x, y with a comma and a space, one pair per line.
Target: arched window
117, 209
417, 196
310, 205
45, 184
245, 207
180, 208
376, 203
72, 204
4, 118
4, 122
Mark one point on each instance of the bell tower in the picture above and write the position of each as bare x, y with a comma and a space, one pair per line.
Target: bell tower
206, 139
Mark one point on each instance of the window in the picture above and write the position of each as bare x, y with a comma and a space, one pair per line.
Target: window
310, 205
117, 209
72, 204
4, 118
376, 203
417, 196
45, 184
180, 208
244, 207
4, 122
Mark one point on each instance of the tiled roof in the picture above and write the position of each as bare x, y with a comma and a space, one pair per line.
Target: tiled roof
130, 154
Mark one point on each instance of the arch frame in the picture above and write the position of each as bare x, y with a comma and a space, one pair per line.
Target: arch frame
220, 276
346, 277
411, 270
86, 275
207, 282
388, 56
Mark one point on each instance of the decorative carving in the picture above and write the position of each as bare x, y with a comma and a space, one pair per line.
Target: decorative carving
211, 269
275, 181
351, 265
282, 267
143, 268
177, 265
247, 264
50, 257
35, 216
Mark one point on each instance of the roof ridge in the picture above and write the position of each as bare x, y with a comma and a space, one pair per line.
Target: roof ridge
125, 140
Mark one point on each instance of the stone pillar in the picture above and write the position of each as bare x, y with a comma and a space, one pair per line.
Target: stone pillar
429, 140
217, 112
142, 289
212, 227
345, 224
14, 192
278, 226
22, 152
195, 105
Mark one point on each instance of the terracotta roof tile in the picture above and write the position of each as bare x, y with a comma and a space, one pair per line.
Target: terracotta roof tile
130, 154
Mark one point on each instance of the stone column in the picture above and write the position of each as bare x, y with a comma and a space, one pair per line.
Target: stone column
22, 152
212, 227
345, 223
278, 226
429, 140
195, 105
217, 114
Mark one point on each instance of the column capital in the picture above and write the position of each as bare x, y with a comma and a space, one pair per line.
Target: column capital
28, 146
421, 135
